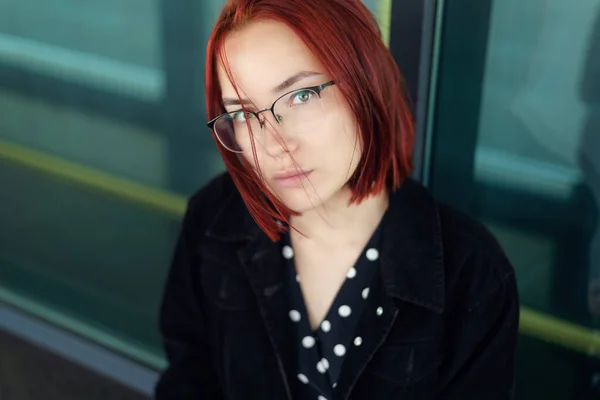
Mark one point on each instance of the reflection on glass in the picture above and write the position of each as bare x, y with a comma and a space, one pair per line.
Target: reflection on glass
536, 171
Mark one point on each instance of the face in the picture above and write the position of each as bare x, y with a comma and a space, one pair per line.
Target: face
310, 150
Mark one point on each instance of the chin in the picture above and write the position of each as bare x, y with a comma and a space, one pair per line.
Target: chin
300, 202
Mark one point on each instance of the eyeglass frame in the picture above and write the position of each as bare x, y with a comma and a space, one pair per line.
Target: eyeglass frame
317, 89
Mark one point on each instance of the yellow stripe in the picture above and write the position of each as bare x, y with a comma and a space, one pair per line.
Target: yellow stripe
533, 323
169, 203
384, 13
554, 330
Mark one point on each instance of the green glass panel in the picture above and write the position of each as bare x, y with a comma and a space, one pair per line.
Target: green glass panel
516, 143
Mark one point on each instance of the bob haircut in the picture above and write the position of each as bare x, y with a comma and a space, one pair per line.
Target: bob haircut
345, 38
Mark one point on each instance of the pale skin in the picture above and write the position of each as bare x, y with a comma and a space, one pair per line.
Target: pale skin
262, 56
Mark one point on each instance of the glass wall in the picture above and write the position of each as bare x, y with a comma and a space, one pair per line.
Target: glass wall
102, 138
516, 143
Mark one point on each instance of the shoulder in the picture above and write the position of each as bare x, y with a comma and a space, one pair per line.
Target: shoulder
476, 267
208, 202
437, 255
215, 192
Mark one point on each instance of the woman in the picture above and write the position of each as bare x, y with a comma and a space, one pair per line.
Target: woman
315, 268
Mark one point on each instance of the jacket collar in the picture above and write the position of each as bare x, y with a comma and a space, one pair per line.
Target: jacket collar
412, 249
411, 253
232, 221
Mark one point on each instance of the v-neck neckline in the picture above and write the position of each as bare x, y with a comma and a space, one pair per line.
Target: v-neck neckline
321, 352
370, 251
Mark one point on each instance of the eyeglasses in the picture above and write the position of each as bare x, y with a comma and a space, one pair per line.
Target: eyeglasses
298, 111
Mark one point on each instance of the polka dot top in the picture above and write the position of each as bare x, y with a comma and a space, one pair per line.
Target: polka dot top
319, 354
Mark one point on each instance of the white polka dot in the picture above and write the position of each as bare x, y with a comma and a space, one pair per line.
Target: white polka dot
339, 350
351, 273
357, 341
326, 326
302, 378
365, 293
379, 310
344, 311
295, 316
308, 341
321, 368
297, 278
325, 363
321, 398
372, 254
287, 252
334, 385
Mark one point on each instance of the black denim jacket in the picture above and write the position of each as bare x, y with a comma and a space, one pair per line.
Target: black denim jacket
449, 329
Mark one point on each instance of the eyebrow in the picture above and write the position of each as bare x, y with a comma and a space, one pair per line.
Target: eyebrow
277, 89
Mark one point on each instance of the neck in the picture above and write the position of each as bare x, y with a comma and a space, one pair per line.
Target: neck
336, 221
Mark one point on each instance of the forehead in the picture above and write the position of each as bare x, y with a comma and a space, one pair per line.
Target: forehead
261, 56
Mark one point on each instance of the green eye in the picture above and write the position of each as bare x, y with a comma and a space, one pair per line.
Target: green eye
241, 116
302, 97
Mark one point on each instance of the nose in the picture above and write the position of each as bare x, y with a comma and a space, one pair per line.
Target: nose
275, 139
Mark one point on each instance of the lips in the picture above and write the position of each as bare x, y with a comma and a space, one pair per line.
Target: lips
291, 173
291, 178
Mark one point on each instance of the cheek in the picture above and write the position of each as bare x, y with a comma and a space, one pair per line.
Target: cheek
258, 159
266, 164
337, 132
349, 149
346, 142
249, 157
337, 151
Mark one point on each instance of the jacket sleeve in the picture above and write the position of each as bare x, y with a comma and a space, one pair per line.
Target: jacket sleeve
482, 346
190, 373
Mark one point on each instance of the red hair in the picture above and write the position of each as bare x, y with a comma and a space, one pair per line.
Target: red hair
345, 38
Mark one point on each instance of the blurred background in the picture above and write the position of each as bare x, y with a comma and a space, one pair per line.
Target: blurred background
103, 137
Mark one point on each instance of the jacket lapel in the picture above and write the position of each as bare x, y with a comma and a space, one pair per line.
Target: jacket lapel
263, 264
371, 331
412, 273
